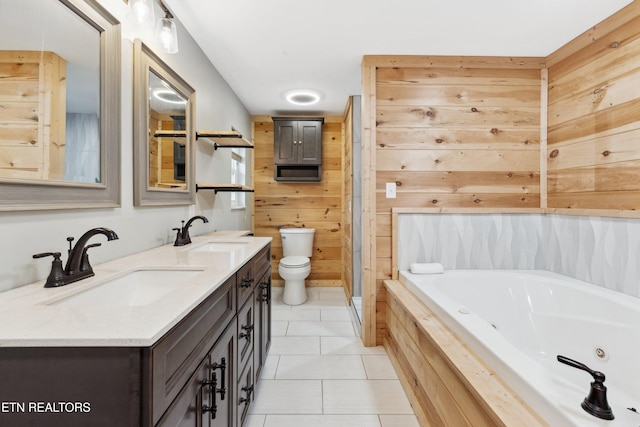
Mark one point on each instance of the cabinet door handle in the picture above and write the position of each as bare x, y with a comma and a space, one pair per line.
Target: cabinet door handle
223, 369
212, 383
248, 390
246, 282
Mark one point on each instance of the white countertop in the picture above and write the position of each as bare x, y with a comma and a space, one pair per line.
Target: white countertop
29, 317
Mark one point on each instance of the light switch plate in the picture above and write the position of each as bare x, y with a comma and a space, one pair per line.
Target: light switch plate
391, 190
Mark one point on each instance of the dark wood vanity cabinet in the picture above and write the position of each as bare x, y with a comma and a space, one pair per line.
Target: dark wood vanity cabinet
220, 391
297, 149
201, 373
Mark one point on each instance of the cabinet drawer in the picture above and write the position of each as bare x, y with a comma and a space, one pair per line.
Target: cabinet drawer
261, 262
246, 333
245, 282
176, 356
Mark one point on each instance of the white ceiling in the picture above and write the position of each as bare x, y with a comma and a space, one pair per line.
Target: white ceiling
264, 49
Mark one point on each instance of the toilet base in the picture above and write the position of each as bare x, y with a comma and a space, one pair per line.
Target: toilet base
295, 292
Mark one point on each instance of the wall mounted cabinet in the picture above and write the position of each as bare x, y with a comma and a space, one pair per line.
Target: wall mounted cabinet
297, 149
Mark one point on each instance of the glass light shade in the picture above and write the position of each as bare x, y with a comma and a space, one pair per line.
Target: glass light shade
167, 35
141, 12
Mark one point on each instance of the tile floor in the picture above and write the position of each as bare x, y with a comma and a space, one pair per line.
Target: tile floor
318, 373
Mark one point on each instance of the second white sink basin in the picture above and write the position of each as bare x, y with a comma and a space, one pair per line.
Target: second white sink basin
136, 288
221, 246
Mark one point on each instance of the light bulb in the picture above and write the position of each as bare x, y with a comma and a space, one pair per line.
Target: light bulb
141, 12
167, 36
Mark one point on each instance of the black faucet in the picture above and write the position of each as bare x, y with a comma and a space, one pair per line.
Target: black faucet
596, 402
77, 267
183, 237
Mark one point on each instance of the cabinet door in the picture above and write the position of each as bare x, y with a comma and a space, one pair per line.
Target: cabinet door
208, 398
223, 371
309, 146
262, 308
285, 143
245, 392
186, 409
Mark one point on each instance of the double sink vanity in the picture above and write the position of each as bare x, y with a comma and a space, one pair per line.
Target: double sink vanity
173, 336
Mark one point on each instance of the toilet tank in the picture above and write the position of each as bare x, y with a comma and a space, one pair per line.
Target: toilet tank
297, 241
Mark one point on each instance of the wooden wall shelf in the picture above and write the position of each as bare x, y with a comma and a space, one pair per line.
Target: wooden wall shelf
170, 134
226, 139
224, 187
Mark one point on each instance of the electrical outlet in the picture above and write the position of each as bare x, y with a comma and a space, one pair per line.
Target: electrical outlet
391, 190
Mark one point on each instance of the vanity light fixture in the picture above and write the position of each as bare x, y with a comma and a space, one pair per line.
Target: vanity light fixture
141, 12
302, 97
166, 32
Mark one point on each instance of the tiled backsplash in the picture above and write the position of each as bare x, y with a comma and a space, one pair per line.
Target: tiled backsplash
600, 250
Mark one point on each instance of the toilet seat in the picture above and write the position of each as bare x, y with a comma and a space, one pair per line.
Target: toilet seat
295, 261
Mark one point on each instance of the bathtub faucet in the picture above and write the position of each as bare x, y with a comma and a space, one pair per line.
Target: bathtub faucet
183, 238
596, 402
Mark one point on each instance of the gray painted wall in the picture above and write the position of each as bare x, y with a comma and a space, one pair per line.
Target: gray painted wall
217, 107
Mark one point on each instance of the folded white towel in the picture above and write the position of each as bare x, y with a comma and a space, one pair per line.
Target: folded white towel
426, 268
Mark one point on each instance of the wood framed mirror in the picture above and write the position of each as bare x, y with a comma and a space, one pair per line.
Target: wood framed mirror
60, 95
163, 132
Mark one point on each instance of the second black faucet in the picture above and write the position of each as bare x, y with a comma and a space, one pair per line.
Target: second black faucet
183, 237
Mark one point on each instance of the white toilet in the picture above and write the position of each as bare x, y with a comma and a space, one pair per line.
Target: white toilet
297, 247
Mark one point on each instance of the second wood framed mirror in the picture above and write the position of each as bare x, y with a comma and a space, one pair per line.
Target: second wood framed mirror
164, 111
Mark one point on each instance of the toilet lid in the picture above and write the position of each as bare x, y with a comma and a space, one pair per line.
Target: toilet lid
295, 261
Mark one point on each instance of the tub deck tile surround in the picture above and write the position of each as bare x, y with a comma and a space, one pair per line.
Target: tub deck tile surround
318, 373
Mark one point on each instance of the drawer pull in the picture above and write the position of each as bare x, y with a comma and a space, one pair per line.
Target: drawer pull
247, 282
246, 334
264, 296
213, 384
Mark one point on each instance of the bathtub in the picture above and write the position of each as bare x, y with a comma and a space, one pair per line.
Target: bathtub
517, 322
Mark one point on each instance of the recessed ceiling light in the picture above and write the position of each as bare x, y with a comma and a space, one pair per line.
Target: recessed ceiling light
303, 97
168, 95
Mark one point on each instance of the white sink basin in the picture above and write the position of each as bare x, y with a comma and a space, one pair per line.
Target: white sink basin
136, 288
221, 246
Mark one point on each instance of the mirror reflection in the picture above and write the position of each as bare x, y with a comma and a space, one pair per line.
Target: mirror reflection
49, 93
163, 115
167, 140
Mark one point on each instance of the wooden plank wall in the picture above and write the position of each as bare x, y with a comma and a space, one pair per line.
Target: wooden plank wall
451, 132
593, 152
314, 204
32, 115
